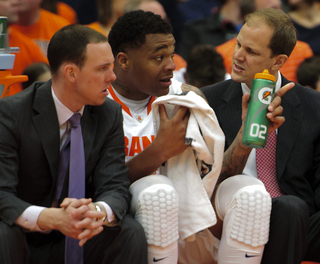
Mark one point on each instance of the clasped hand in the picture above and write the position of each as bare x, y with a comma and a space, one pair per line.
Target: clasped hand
172, 132
81, 219
77, 218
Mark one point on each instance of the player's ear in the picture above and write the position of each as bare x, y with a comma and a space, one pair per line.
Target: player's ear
123, 60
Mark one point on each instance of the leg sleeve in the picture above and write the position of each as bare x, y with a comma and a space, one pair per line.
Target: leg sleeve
154, 205
244, 206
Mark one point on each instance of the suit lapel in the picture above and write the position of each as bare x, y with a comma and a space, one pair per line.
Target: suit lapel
230, 111
288, 132
89, 125
47, 126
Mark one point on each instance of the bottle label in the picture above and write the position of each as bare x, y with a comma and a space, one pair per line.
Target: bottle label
264, 95
257, 124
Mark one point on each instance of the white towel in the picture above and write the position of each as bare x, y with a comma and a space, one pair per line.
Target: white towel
185, 170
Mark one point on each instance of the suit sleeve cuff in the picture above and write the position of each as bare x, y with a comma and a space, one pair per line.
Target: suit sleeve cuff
110, 215
28, 219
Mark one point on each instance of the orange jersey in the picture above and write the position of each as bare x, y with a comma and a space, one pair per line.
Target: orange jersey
42, 31
29, 53
289, 70
67, 12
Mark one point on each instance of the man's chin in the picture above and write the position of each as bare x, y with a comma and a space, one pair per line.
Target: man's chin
162, 92
235, 77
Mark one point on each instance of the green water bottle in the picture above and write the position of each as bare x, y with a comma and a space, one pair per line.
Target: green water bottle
257, 124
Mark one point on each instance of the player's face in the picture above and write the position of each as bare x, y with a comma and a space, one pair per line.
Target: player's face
251, 53
93, 79
151, 66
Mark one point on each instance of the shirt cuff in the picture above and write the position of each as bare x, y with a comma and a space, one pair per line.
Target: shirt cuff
28, 219
110, 215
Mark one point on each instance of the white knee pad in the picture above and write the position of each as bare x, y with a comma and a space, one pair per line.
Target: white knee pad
248, 206
154, 205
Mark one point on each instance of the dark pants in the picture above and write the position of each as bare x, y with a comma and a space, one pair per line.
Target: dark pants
289, 224
313, 250
116, 245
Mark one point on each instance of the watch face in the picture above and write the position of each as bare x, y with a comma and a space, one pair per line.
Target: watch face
98, 208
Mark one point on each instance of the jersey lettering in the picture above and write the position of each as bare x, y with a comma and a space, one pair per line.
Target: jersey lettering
137, 144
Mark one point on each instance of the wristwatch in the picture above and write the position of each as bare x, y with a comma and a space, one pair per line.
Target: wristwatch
98, 208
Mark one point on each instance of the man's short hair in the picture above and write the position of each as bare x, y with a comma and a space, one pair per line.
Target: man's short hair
105, 11
308, 73
69, 44
204, 66
284, 37
130, 30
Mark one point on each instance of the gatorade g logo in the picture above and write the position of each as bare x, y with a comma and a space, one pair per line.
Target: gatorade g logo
264, 95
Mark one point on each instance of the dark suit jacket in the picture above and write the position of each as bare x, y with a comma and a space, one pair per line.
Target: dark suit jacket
298, 141
29, 152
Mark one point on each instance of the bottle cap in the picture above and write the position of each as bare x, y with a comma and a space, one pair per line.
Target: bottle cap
265, 75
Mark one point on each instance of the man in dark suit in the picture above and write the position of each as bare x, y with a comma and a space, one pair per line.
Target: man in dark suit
33, 124
265, 42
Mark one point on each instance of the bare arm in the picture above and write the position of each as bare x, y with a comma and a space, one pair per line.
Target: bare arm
188, 87
234, 158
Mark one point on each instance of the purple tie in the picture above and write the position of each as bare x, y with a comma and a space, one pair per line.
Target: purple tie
63, 166
74, 253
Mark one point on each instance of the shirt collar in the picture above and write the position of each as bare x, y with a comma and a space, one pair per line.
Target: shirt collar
63, 112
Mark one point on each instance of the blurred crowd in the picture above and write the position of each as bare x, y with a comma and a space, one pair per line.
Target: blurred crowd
205, 32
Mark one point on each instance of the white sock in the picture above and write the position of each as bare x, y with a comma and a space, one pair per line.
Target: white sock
166, 255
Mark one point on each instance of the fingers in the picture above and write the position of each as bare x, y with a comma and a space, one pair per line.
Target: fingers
90, 220
75, 202
277, 96
245, 104
276, 111
282, 91
182, 113
87, 234
245, 101
162, 112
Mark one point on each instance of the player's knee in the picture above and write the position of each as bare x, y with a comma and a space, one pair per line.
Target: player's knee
244, 205
155, 206
230, 187
142, 184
